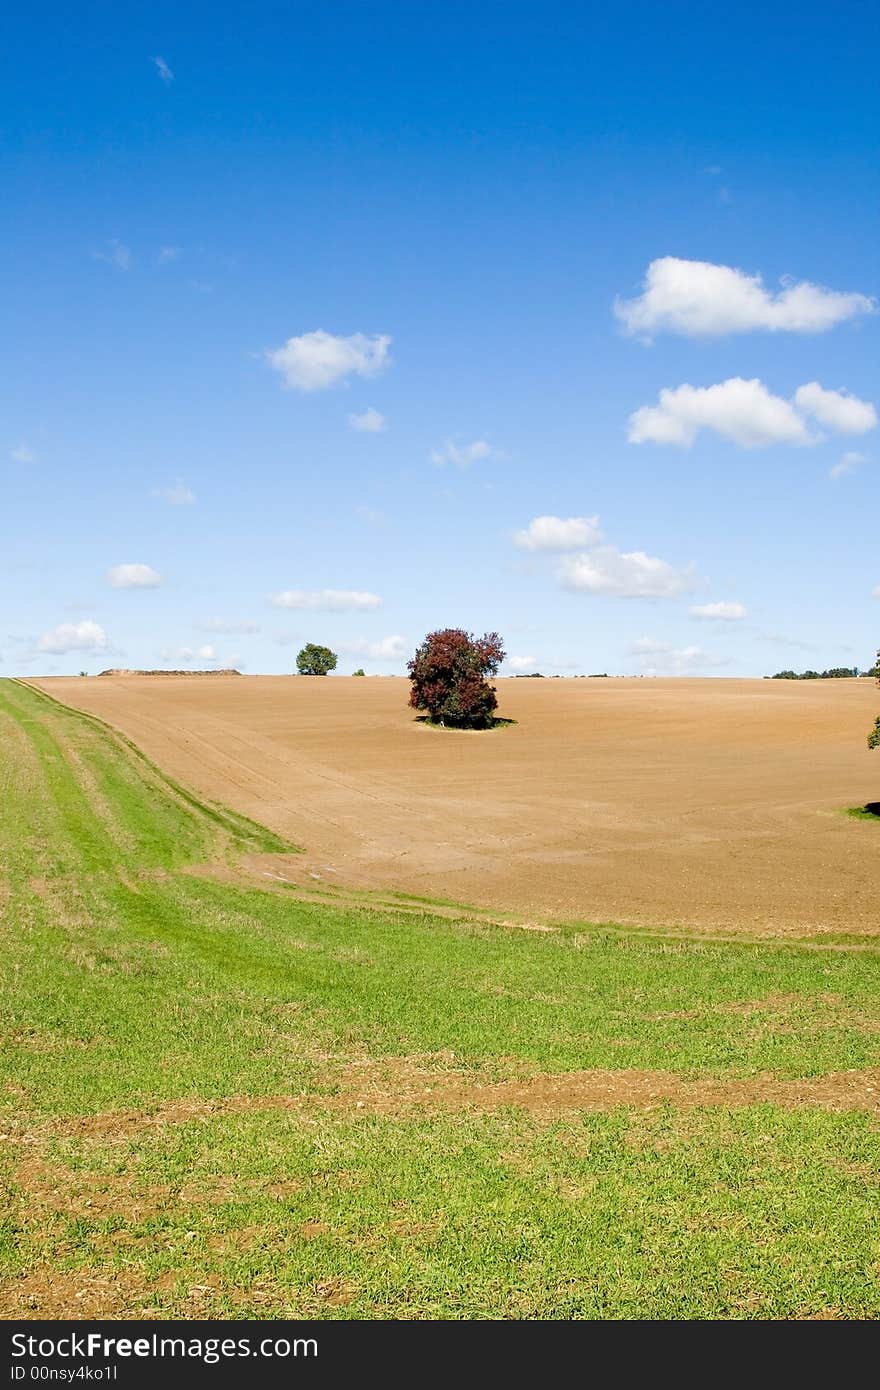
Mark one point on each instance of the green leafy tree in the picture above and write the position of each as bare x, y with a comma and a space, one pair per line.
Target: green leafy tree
874, 735
359, 672
315, 661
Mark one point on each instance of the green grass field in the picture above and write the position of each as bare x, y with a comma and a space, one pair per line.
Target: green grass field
222, 1099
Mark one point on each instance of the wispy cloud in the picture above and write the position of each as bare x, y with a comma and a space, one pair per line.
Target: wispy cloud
163, 70
463, 455
848, 464
167, 254
22, 453
372, 516
393, 648
316, 361
179, 495
369, 422
238, 627
699, 299
114, 253
720, 612
326, 600
189, 654
664, 659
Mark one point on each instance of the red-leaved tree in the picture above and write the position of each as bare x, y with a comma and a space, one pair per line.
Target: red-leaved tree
449, 677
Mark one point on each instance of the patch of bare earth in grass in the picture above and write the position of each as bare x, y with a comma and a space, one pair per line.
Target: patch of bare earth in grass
399, 1086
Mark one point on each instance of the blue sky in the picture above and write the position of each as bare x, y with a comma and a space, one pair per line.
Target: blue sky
234, 232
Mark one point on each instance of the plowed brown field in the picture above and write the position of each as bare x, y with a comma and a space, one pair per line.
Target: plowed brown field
706, 803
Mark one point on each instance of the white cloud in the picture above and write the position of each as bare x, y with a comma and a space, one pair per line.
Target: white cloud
556, 533
463, 455
22, 453
720, 612
164, 71
875, 592
188, 654
179, 495
370, 422
317, 360
393, 648
836, 410
86, 636
133, 577
744, 411
748, 414
115, 254
521, 663
326, 600
167, 254
242, 628
663, 659
848, 464
628, 574
699, 299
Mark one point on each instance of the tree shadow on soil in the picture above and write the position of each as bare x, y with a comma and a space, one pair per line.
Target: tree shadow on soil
494, 723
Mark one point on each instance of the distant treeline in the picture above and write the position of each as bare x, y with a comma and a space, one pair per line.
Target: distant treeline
836, 673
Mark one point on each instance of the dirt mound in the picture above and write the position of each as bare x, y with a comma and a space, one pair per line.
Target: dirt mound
123, 671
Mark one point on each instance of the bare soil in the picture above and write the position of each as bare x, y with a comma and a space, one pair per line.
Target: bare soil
700, 803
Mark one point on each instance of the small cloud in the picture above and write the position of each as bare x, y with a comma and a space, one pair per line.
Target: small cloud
188, 654
370, 422
848, 464
115, 254
239, 628
22, 454
393, 648
164, 71
556, 533
521, 663
167, 254
875, 592
463, 455
326, 600
133, 577
720, 612
699, 299
86, 636
714, 169
179, 495
628, 574
316, 361
664, 659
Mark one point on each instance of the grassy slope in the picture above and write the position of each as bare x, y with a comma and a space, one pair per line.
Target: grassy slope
129, 984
